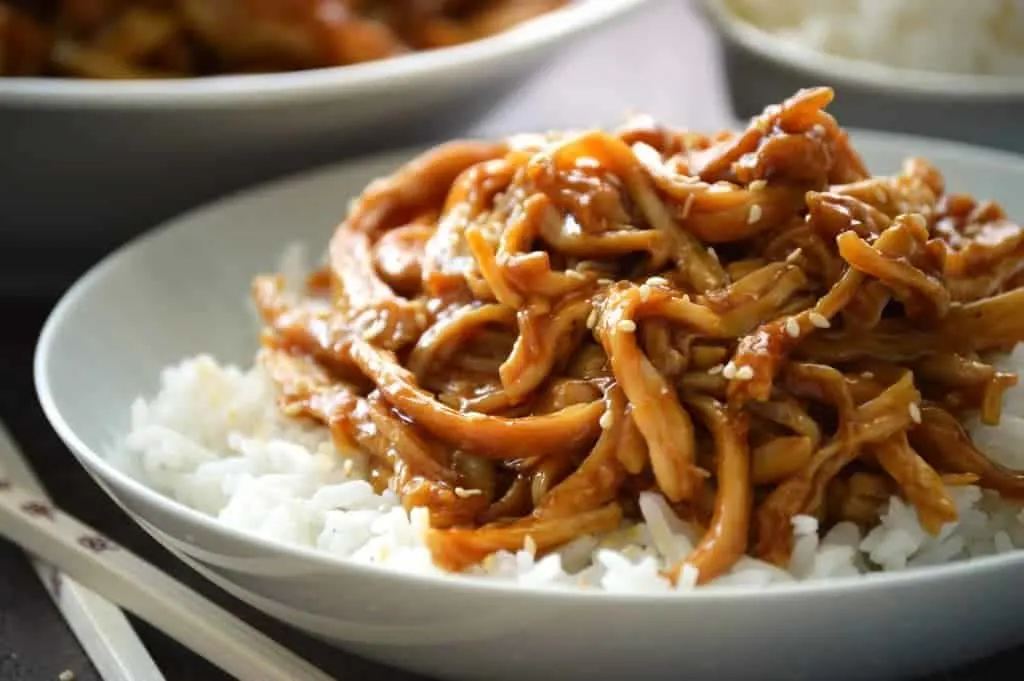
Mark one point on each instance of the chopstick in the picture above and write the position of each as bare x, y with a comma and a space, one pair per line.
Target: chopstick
103, 631
95, 561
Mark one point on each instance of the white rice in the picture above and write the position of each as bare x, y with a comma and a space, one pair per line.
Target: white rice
953, 36
214, 439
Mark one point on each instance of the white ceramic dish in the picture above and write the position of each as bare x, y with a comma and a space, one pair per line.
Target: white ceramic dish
183, 289
762, 67
86, 164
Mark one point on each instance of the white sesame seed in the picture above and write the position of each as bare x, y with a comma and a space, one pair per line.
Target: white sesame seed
606, 420
717, 369
918, 220
685, 298
689, 575
915, 412
592, 318
819, 320
818, 130
463, 493
744, 373
605, 281
348, 467
757, 185
729, 371
657, 281
867, 375
66, 675
795, 255
688, 205
645, 292
627, 325
529, 545
647, 154
880, 195
712, 252
754, 214
792, 328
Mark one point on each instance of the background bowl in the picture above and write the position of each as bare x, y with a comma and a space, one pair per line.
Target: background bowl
86, 164
183, 290
761, 67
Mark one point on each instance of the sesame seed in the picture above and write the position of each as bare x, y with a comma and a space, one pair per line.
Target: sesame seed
606, 420
729, 371
689, 575
712, 252
867, 375
645, 292
792, 328
592, 318
66, 675
657, 281
757, 185
917, 220
647, 154
819, 320
717, 369
915, 412
818, 130
604, 281
754, 215
795, 255
627, 325
529, 545
463, 493
685, 298
880, 195
744, 373
347, 467
688, 205
291, 409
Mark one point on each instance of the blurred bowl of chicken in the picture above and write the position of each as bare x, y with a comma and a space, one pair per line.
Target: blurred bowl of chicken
115, 114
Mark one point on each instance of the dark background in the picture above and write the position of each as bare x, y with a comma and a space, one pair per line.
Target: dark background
638, 60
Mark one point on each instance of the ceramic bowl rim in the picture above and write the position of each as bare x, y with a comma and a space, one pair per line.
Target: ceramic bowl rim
122, 484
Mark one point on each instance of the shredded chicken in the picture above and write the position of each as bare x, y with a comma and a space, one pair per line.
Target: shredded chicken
524, 336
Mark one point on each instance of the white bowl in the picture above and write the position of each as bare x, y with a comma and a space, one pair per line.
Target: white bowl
763, 67
86, 164
183, 289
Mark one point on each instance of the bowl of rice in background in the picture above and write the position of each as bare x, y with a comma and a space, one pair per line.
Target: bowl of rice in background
148, 377
942, 68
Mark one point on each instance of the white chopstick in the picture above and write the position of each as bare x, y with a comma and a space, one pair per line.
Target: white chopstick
96, 562
103, 631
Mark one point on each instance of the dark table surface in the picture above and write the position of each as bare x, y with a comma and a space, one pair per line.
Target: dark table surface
638, 65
